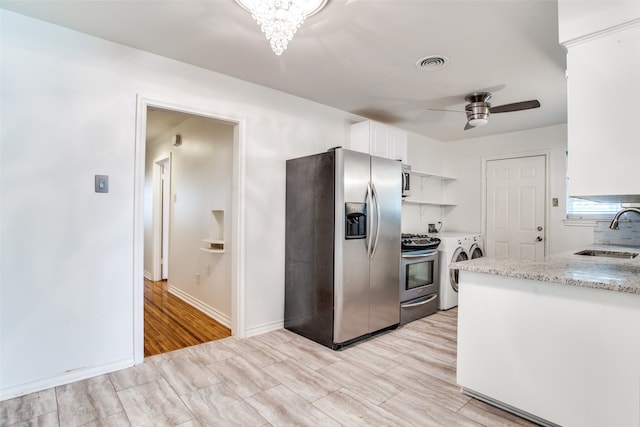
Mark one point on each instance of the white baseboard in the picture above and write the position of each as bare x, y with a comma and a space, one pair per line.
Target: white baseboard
264, 328
203, 307
148, 275
63, 378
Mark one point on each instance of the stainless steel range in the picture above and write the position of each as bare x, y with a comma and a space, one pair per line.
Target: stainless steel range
414, 242
419, 278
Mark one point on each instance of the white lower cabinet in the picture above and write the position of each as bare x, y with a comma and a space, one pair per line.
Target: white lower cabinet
568, 355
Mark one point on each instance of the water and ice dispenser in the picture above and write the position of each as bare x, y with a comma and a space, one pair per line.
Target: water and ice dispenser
355, 220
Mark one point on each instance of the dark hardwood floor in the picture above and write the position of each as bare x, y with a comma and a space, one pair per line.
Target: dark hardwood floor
171, 324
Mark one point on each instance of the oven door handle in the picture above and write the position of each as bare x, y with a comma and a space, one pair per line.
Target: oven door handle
415, 304
418, 256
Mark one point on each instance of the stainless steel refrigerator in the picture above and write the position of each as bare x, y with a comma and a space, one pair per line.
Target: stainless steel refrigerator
342, 267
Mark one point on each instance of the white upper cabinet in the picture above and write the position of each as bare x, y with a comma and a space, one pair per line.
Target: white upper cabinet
580, 18
379, 140
603, 72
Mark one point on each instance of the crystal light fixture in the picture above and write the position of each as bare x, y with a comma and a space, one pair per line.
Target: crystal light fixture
280, 19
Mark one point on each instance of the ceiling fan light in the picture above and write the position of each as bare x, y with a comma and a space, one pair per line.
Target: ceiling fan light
477, 113
478, 122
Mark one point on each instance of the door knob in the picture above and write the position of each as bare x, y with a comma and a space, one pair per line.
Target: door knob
538, 239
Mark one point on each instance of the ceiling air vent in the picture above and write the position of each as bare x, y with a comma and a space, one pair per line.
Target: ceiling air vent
432, 63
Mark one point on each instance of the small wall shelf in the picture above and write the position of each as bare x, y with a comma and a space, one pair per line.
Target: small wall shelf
425, 205
433, 175
428, 202
215, 244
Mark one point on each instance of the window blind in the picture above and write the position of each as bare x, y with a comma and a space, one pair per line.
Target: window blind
587, 209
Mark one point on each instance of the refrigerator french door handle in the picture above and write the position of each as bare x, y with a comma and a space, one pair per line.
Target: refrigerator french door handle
369, 200
377, 202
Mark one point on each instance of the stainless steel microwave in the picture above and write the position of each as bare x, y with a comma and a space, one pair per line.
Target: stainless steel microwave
406, 180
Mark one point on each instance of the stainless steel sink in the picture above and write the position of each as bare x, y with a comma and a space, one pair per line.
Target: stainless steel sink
608, 254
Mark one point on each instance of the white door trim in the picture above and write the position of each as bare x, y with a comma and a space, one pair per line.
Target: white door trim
238, 218
158, 217
547, 156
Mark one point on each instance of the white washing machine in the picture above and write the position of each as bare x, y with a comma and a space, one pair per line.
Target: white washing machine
455, 247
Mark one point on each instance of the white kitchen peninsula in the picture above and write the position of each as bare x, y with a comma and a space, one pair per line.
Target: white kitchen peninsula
557, 339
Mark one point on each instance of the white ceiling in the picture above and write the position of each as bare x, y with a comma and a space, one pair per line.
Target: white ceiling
357, 55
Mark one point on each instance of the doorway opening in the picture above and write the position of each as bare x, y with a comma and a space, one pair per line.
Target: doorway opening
187, 176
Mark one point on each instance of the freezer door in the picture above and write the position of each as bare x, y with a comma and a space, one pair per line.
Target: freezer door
309, 247
351, 291
384, 270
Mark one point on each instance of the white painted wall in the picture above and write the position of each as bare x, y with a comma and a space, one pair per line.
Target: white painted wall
201, 182
68, 113
464, 160
426, 155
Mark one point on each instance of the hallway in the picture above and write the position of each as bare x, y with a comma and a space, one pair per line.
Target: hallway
171, 324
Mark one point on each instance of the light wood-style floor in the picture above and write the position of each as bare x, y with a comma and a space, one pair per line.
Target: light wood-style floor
171, 324
405, 377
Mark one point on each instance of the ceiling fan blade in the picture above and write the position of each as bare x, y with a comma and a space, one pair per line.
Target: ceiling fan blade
516, 106
443, 109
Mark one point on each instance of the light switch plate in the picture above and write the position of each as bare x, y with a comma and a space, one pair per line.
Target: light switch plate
102, 183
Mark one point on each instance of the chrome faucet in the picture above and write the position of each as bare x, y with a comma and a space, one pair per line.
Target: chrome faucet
614, 222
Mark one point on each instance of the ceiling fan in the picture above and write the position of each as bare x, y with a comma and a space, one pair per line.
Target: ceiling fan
479, 109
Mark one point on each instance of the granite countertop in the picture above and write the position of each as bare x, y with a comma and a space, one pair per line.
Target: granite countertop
615, 274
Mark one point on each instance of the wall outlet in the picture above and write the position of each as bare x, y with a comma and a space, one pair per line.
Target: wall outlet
197, 278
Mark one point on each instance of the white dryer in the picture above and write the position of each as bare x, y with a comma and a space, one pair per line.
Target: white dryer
455, 247
476, 246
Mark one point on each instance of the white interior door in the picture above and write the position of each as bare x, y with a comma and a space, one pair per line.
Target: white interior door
515, 207
161, 218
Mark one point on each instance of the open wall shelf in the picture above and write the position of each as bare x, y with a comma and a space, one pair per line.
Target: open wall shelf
433, 175
215, 244
426, 177
428, 202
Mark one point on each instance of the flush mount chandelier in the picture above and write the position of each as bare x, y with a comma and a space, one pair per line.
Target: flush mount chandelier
280, 19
